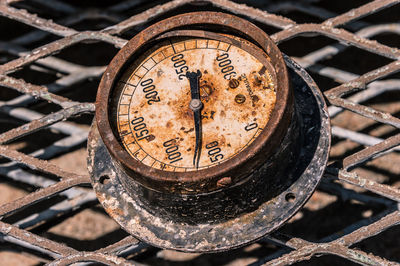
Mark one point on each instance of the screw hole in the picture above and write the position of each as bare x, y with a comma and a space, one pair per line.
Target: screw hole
104, 179
290, 197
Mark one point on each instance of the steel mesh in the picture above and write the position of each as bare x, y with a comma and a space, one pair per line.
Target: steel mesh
36, 49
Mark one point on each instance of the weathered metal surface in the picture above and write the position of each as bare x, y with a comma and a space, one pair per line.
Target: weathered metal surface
203, 180
375, 86
204, 217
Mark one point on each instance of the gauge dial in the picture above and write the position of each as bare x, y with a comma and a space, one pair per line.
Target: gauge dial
192, 104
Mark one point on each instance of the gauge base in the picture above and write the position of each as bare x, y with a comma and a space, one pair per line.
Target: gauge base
222, 235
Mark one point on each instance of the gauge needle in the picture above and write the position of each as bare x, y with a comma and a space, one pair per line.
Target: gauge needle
196, 105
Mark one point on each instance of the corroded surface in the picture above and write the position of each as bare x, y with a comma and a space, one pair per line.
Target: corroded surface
237, 92
137, 217
268, 75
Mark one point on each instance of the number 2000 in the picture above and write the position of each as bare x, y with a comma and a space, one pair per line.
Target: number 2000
150, 91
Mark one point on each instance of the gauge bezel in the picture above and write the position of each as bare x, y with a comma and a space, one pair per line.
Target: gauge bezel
174, 37
204, 180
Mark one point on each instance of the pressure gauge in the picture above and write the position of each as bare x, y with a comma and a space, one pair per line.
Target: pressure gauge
189, 111
193, 104
197, 128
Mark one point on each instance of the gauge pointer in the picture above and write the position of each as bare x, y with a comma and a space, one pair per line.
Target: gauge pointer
196, 105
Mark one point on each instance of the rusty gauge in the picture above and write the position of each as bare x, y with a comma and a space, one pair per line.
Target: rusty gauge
197, 110
193, 103
200, 136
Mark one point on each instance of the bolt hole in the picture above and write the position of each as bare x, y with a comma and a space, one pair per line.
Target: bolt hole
104, 179
290, 197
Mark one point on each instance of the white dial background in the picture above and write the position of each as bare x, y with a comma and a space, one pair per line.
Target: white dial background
155, 123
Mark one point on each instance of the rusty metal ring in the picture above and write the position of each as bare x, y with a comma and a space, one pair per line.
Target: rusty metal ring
202, 180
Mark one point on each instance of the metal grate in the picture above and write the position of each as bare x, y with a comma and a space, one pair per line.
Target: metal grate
53, 54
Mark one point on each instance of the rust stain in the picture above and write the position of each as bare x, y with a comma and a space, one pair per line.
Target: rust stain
223, 182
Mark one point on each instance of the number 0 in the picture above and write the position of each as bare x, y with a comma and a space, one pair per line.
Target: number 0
251, 126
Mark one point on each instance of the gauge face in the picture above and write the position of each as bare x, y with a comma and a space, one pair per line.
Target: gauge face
174, 121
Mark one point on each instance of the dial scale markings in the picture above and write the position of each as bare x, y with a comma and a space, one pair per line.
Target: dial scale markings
151, 152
